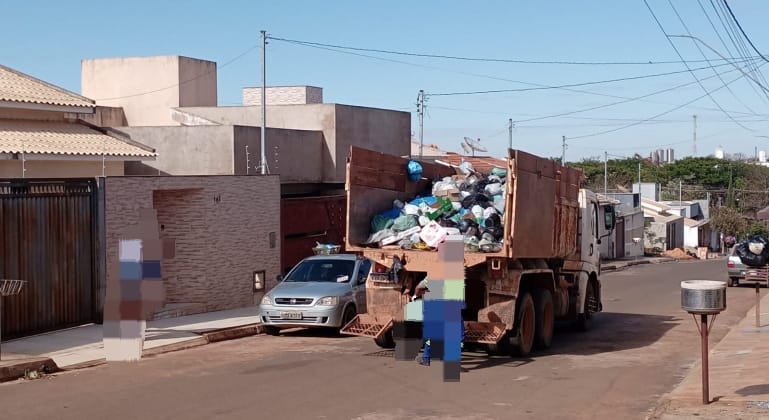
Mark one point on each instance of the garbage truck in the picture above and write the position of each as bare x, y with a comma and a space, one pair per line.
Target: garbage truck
531, 237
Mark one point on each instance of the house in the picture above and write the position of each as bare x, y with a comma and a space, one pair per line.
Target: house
629, 230
44, 133
697, 234
663, 228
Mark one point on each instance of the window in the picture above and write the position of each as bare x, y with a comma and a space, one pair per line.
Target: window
329, 271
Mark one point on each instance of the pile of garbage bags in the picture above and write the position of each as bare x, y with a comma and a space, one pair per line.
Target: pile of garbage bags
470, 204
754, 251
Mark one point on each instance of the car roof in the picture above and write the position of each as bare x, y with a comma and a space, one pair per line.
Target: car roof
343, 257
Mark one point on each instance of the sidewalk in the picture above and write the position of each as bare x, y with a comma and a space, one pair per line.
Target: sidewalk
82, 346
621, 263
738, 377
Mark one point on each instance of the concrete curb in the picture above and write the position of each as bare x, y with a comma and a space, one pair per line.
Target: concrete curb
19, 370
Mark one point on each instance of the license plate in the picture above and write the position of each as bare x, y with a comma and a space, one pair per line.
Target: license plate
291, 315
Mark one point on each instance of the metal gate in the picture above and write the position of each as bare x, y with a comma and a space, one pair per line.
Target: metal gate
48, 237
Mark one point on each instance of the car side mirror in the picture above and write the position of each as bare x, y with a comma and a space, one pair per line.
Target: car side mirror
609, 217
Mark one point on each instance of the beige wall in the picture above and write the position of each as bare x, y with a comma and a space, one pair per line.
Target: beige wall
283, 95
221, 226
203, 150
103, 117
342, 125
59, 169
295, 155
148, 87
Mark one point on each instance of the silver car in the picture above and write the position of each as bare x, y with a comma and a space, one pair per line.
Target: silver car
735, 268
322, 291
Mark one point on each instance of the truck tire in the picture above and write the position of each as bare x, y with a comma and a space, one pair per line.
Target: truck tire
544, 319
733, 281
585, 319
525, 321
386, 340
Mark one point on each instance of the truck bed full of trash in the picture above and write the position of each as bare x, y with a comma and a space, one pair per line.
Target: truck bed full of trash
469, 204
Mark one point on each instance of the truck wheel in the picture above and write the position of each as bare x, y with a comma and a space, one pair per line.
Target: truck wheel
585, 319
733, 281
386, 340
545, 318
270, 330
526, 325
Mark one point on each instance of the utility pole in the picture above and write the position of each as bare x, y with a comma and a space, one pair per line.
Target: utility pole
510, 133
640, 194
421, 114
248, 163
264, 103
694, 140
563, 151
680, 184
605, 171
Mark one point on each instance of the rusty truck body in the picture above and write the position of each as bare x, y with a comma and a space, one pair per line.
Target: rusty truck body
547, 269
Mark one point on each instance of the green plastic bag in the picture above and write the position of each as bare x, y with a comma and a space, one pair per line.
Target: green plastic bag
499, 172
404, 222
380, 222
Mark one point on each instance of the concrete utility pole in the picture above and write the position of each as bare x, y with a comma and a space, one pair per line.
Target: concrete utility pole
263, 163
694, 140
563, 152
605, 171
510, 133
680, 185
421, 114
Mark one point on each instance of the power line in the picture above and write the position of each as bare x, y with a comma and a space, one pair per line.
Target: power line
686, 28
707, 93
495, 78
672, 44
227, 63
476, 59
596, 82
747, 38
619, 102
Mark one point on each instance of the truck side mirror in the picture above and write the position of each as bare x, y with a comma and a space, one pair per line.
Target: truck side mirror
279, 278
609, 217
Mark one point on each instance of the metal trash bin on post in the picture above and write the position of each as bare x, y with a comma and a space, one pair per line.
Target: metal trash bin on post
8, 288
703, 298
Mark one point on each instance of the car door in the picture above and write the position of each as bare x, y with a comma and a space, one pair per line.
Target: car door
359, 288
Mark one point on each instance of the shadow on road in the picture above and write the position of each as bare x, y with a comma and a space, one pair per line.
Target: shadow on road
314, 332
762, 389
612, 331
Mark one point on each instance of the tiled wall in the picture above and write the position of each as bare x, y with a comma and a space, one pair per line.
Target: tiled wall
221, 226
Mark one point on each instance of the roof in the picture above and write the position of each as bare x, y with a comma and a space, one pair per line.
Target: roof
654, 205
695, 223
19, 87
60, 138
483, 164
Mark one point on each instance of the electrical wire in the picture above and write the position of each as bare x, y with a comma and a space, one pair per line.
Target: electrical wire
707, 93
596, 82
475, 59
672, 44
686, 28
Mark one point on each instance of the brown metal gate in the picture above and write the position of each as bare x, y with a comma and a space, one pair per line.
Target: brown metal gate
620, 232
48, 238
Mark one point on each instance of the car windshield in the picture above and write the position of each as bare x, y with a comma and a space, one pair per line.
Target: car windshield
325, 271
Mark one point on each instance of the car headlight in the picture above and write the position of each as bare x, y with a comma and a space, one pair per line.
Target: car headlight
266, 300
328, 301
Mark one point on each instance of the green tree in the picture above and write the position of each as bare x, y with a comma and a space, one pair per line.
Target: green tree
729, 221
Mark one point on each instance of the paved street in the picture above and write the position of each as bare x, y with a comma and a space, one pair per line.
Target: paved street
639, 349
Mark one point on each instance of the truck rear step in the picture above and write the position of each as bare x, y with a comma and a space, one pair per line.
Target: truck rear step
484, 332
365, 325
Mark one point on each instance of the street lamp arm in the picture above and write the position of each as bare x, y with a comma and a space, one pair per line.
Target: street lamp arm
764, 88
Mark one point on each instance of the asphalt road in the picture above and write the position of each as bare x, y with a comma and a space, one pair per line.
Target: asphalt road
639, 349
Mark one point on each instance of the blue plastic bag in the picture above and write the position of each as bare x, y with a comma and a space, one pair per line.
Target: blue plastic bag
415, 171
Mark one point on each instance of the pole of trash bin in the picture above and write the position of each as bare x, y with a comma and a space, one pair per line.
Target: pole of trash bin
704, 338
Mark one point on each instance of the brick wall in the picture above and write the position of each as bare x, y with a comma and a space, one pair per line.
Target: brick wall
221, 226
283, 95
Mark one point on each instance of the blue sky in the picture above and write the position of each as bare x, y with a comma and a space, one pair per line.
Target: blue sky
47, 39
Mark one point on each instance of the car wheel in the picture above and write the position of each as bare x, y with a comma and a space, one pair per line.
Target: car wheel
349, 314
270, 330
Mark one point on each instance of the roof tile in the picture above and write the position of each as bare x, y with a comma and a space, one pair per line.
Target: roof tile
19, 87
23, 136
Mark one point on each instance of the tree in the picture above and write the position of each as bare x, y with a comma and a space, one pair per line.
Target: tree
728, 221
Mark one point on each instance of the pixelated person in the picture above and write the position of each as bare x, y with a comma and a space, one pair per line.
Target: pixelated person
426, 356
135, 289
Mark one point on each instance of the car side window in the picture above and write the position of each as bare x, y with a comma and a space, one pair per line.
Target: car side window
363, 270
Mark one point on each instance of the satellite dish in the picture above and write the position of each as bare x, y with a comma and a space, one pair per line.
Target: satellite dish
466, 148
475, 145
